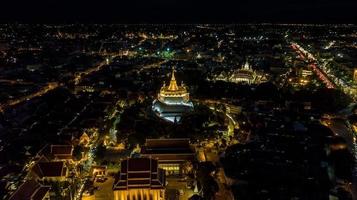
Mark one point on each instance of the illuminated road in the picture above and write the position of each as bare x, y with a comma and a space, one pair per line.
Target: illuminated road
13, 82
79, 76
50, 86
153, 65
306, 56
232, 124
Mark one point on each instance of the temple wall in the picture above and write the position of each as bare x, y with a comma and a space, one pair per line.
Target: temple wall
139, 194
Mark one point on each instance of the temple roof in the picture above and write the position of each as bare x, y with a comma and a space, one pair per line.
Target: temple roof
140, 173
173, 85
50, 169
172, 101
173, 88
30, 190
51, 152
168, 150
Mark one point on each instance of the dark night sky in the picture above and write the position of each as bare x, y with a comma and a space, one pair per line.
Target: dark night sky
180, 11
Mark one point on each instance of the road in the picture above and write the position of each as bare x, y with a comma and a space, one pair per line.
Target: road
308, 57
49, 87
232, 124
79, 76
53, 85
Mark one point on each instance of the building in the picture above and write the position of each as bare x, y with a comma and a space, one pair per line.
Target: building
172, 101
140, 178
31, 190
84, 139
50, 171
172, 154
305, 73
243, 75
99, 170
57, 153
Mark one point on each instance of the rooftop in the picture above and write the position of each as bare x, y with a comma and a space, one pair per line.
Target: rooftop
30, 190
50, 169
140, 173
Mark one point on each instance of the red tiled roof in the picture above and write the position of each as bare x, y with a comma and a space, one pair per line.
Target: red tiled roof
140, 173
40, 193
139, 164
168, 150
50, 169
167, 158
56, 151
30, 190
62, 149
164, 143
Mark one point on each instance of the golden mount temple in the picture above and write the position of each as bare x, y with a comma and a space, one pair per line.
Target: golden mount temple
172, 101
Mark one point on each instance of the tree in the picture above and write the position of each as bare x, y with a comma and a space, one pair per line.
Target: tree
100, 153
77, 152
266, 91
342, 160
207, 182
330, 100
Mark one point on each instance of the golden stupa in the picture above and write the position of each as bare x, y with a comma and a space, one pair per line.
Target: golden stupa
172, 100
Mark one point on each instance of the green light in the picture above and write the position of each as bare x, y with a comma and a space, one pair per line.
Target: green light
167, 49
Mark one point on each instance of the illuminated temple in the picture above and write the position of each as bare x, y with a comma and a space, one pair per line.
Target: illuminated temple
140, 179
172, 101
243, 75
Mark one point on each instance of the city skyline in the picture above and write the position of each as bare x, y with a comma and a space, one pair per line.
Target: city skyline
178, 100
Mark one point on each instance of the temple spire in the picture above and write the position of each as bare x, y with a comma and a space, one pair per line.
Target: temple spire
173, 85
173, 74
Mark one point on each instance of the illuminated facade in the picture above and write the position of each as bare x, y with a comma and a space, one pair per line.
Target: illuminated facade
172, 101
243, 75
172, 154
140, 179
